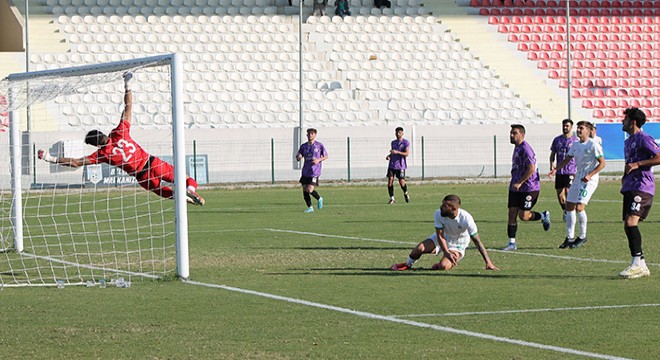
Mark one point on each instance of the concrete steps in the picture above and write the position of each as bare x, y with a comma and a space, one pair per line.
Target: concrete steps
493, 49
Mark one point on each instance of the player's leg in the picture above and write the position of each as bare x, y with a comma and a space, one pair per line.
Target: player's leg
163, 170
314, 182
527, 202
636, 206
570, 224
402, 184
308, 197
390, 185
512, 223
425, 247
586, 191
561, 190
445, 264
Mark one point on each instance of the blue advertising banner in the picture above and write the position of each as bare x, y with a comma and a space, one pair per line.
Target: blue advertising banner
613, 138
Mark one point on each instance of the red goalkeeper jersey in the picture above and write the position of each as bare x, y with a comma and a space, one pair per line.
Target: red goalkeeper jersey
121, 151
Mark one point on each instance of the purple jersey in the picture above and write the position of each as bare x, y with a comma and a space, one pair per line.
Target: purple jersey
310, 152
398, 162
523, 157
638, 147
560, 145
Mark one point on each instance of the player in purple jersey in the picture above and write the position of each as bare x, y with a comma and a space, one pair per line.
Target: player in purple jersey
400, 148
314, 153
559, 148
637, 186
524, 187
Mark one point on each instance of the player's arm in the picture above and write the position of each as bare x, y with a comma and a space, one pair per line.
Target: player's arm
128, 99
531, 168
64, 161
655, 160
553, 154
442, 243
561, 165
484, 253
402, 153
322, 158
596, 170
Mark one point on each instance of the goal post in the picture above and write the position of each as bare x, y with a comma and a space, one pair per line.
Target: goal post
40, 264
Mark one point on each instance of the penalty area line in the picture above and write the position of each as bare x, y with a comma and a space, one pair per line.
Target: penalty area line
409, 322
528, 310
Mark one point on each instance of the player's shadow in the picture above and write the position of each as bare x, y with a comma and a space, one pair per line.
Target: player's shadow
359, 248
429, 272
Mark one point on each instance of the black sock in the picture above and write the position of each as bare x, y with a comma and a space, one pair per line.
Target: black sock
563, 207
390, 189
511, 231
315, 195
308, 199
535, 216
404, 188
634, 240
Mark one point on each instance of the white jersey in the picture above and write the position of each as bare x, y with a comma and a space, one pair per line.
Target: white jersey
456, 231
586, 156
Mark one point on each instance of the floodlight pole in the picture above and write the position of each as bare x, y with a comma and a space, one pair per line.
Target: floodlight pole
300, 73
568, 55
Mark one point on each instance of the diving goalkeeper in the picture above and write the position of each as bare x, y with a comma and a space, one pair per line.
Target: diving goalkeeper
120, 150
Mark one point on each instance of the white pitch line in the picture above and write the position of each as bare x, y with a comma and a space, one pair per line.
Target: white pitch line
410, 322
341, 236
528, 310
490, 250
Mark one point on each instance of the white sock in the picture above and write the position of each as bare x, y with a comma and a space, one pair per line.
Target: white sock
512, 240
582, 219
636, 260
642, 262
191, 188
570, 224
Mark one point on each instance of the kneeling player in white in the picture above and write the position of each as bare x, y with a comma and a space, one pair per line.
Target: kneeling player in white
589, 161
454, 227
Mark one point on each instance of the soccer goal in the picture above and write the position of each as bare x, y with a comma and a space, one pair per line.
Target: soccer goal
90, 225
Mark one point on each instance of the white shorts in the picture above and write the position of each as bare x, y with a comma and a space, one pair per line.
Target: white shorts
450, 246
580, 193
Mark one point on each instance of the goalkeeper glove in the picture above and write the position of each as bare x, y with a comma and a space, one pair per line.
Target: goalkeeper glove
46, 156
127, 78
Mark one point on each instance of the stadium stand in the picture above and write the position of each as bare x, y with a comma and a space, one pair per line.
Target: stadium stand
400, 64
615, 47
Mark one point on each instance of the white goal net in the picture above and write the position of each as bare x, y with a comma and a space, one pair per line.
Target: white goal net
64, 226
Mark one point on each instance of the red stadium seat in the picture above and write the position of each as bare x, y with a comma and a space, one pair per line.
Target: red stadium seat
610, 114
598, 114
484, 12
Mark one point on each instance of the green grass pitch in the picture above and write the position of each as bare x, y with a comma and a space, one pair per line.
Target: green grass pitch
277, 283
